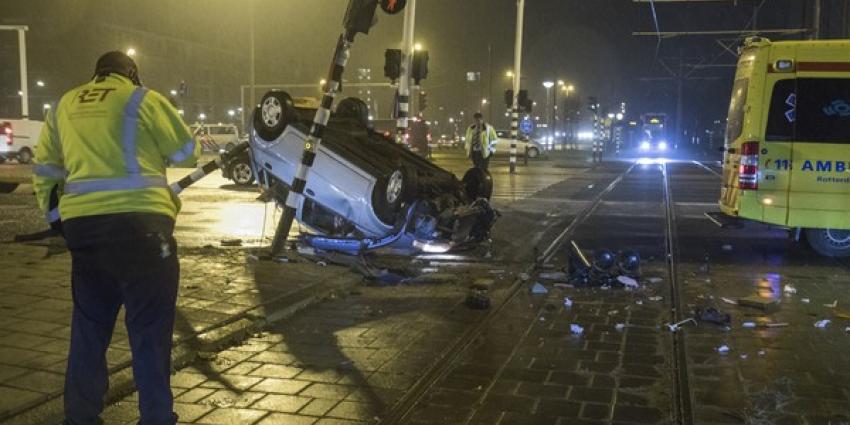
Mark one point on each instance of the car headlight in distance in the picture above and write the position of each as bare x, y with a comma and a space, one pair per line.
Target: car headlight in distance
644, 146
662, 146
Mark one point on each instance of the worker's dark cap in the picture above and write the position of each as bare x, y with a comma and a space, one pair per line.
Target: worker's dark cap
478, 115
116, 62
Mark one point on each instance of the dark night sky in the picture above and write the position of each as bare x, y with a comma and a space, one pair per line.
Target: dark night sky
586, 42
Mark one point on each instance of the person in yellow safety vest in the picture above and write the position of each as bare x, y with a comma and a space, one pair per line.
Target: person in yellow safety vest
480, 142
100, 179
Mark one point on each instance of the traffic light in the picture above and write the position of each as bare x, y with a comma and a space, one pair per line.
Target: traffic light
392, 64
524, 102
420, 66
423, 100
509, 98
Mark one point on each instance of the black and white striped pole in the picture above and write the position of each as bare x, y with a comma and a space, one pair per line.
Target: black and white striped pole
517, 70
359, 18
407, 49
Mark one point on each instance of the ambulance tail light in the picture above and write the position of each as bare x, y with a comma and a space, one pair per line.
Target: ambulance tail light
6, 129
749, 169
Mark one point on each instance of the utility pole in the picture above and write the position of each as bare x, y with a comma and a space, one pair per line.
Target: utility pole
406, 67
252, 97
816, 17
517, 73
22, 55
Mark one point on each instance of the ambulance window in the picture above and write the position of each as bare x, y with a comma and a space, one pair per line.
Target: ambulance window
813, 110
823, 110
735, 124
781, 117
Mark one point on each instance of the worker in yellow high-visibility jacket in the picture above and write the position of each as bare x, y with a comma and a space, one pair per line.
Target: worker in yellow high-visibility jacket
100, 178
480, 142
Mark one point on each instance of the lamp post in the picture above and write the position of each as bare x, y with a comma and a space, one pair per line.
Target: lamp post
548, 85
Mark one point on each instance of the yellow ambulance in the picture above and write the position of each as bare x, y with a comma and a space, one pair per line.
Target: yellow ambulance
787, 155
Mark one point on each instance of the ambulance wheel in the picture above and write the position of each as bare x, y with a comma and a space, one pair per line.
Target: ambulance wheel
275, 112
829, 242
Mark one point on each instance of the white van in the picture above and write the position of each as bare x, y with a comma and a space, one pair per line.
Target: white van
18, 139
215, 137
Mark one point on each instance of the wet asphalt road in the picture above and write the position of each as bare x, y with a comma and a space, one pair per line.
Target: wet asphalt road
416, 354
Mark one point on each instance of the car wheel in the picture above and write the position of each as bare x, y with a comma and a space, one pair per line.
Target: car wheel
24, 156
273, 115
478, 184
829, 242
533, 152
241, 173
8, 187
392, 191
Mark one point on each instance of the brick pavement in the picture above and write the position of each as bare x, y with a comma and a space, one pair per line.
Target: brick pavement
221, 293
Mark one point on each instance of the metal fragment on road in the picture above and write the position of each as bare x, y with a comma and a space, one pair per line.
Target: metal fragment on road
674, 327
576, 329
805, 300
748, 325
723, 349
553, 276
524, 276
656, 298
620, 326
788, 289
832, 305
568, 302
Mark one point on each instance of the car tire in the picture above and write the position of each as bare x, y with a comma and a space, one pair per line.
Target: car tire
8, 187
829, 242
275, 112
392, 191
533, 153
241, 172
478, 184
24, 156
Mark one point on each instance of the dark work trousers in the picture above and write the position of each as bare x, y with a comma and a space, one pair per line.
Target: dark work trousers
479, 161
128, 259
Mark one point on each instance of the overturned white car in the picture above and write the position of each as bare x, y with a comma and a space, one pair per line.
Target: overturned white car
364, 191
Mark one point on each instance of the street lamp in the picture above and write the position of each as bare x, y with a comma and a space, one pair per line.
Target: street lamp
231, 113
173, 92
509, 74
39, 83
417, 47
202, 116
549, 85
131, 52
484, 101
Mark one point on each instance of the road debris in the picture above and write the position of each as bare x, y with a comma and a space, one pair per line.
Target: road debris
654, 280
231, 242
822, 324
524, 276
805, 300
613, 312
712, 315
832, 305
674, 327
620, 327
538, 289
788, 289
576, 329
728, 301
763, 304
656, 298
563, 286
627, 281
723, 349
568, 302
553, 276
748, 325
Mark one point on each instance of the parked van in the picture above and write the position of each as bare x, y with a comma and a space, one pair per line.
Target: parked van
215, 137
18, 139
787, 152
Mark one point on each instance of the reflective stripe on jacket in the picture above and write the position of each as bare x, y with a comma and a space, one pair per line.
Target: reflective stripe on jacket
106, 145
489, 138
